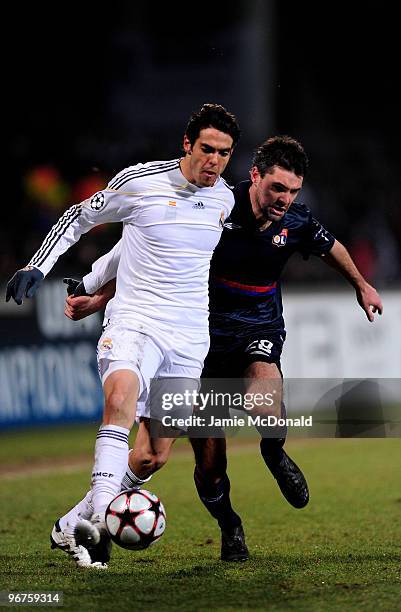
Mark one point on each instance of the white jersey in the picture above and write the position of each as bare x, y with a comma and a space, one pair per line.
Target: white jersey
170, 230
104, 270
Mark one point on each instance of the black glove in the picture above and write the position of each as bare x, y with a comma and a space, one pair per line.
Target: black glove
24, 283
75, 287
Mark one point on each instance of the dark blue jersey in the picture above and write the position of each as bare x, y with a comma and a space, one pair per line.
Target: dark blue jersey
247, 263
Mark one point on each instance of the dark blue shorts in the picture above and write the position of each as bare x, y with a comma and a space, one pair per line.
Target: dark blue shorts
230, 354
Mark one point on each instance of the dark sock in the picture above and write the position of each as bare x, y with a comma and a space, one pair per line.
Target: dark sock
216, 499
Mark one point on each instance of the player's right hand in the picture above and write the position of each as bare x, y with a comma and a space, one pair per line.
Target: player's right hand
79, 307
24, 283
79, 304
369, 300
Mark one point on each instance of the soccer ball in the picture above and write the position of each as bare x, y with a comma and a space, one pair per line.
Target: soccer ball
135, 519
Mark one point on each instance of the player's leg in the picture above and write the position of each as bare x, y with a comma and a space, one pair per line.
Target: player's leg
81, 532
213, 486
177, 375
121, 389
144, 459
211, 480
83, 509
266, 378
63, 534
210, 474
127, 360
148, 455
74, 533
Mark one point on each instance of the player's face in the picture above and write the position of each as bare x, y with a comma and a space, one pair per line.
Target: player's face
272, 195
207, 158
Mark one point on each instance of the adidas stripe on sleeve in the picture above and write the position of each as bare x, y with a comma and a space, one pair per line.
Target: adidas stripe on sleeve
105, 206
113, 204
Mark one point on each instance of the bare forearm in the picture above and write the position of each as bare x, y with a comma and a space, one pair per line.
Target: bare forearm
77, 308
106, 292
339, 259
366, 295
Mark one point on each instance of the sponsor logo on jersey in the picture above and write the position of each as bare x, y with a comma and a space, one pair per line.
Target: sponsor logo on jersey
199, 206
98, 201
281, 238
107, 344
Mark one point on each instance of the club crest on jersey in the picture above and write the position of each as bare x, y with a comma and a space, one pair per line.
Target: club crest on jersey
98, 201
106, 345
281, 238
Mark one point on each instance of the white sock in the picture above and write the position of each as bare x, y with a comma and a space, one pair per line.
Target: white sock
111, 458
83, 510
132, 481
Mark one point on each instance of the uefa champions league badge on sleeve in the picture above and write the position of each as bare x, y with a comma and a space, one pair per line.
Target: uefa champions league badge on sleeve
281, 238
97, 201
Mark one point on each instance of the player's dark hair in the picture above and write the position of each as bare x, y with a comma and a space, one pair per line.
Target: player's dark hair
282, 151
215, 116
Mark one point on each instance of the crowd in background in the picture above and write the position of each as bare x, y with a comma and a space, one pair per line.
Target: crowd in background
364, 216
122, 91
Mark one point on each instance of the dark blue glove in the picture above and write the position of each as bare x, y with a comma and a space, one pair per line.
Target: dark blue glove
24, 283
75, 287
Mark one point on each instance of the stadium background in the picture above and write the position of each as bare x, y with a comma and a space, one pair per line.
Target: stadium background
88, 95
91, 88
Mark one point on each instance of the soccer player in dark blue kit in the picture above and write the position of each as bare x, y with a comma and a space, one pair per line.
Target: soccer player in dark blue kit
246, 324
247, 331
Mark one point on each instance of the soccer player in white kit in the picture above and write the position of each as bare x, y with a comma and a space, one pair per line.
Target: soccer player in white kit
172, 214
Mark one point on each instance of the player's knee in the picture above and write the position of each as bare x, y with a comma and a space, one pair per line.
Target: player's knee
210, 473
143, 460
160, 459
149, 462
115, 404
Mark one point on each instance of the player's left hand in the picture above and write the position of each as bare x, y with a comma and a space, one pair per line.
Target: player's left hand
369, 300
24, 283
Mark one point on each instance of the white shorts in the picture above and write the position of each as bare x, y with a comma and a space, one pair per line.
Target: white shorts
162, 354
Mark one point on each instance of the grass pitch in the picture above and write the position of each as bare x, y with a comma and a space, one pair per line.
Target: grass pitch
342, 552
